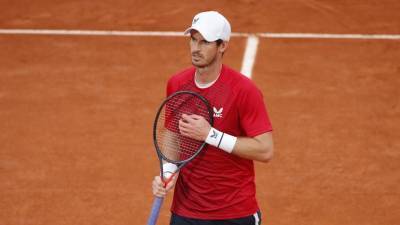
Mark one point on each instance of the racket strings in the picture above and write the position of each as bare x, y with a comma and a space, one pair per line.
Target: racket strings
172, 144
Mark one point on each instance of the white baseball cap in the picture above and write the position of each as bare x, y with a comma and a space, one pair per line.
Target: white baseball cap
212, 26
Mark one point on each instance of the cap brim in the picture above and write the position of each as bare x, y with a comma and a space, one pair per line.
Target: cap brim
187, 31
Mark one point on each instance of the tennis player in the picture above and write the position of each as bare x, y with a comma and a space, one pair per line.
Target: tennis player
218, 186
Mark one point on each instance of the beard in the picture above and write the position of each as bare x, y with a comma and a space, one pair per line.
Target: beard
200, 61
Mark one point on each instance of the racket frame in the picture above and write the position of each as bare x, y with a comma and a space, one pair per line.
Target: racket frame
156, 207
161, 156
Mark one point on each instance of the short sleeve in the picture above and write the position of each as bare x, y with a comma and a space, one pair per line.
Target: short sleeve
254, 119
169, 89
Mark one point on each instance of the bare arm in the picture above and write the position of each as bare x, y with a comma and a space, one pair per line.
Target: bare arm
259, 148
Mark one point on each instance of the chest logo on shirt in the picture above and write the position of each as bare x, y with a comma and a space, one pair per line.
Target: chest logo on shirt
218, 112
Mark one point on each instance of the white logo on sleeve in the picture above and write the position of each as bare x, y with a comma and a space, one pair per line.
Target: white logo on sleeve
218, 112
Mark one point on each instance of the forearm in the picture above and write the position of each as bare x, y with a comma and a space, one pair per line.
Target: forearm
259, 148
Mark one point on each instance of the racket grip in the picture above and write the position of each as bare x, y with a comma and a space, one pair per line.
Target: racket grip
155, 210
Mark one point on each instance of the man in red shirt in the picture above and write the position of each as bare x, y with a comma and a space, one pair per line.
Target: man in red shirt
218, 186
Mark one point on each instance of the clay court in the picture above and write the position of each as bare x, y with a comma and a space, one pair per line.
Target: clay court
76, 110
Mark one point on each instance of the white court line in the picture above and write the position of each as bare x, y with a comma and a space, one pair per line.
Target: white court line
251, 47
179, 34
249, 55
90, 32
331, 36
100, 32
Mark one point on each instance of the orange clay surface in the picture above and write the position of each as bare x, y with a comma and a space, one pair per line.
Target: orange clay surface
76, 112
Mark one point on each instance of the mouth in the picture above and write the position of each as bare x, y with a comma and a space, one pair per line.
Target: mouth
196, 59
196, 56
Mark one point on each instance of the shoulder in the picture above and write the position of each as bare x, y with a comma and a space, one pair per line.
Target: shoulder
182, 75
180, 79
240, 83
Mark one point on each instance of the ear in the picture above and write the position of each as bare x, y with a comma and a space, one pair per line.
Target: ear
223, 46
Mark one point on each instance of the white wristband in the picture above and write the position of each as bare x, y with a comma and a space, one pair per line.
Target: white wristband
221, 140
169, 169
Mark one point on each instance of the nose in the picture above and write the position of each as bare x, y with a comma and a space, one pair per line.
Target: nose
195, 46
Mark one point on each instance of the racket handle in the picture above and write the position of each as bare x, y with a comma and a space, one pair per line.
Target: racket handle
155, 210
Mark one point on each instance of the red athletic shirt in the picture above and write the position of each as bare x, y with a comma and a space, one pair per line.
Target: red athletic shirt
218, 185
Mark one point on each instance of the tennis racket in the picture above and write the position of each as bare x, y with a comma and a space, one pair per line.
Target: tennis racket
170, 145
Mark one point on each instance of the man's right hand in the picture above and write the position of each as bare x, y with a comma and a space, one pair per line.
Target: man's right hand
158, 186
